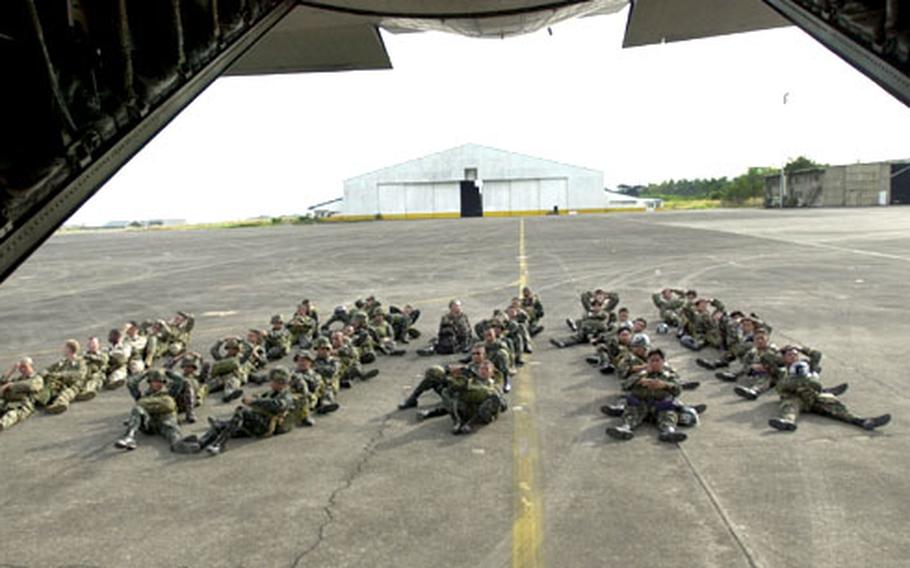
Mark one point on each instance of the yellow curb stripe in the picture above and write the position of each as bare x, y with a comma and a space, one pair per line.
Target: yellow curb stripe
527, 527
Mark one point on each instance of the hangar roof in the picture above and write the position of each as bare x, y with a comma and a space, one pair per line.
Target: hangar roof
475, 151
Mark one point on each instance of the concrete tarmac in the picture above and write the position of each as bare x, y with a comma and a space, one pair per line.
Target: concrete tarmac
371, 486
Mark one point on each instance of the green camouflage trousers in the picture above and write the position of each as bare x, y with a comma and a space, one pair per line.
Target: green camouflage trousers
825, 404
164, 425
634, 415
12, 413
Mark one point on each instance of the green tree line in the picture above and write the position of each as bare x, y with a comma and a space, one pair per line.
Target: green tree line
740, 189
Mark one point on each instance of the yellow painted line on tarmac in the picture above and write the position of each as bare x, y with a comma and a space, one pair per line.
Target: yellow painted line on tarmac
527, 526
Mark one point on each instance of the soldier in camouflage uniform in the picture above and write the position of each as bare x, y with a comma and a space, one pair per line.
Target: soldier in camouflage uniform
517, 333
801, 390
118, 357
437, 379
18, 394
382, 334
362, 337
588, 328
278, 340
230, 372
669, 302
610, 349
763, 366
703, 325
350, 367
137, 342
318, 387
477, 400
96, 363
341, 314
402, 321
739, 334
63, 380
155, 412
259, 417
499, 354
306, 387
652, 396
454, 335
327, 366
532, 305
303, 327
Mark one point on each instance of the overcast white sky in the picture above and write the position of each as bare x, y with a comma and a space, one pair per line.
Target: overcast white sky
276, 144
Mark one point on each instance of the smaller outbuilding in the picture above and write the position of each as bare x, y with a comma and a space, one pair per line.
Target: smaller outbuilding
853, 185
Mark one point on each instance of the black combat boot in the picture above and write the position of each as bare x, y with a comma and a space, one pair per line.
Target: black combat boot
671, 435
705, 364
592, 359
873, 423
128, 441
572, 325
615, 410
746, 392
231, 396
327, 404
307, 421
535, 330
431, 413
782, 424
689, 385
219, 444
726, 376
622, 432
369, 374
410, 402
557, 343
607, 369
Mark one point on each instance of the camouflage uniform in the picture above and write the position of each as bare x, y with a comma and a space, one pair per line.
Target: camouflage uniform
322, 395
265, 416
590, 327
118, 356
454, 334
63, 381
669, 308
137, 346
702, 327
277, 340
800, 391
230, 373
303, 329
155, 412
658, 405
534, 308
17, 400
96, 363
383, 335
328, 368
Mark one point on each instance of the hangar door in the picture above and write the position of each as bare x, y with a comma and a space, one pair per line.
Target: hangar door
525, 195
419, 199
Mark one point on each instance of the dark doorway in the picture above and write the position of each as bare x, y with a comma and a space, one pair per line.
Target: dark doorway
471, 205
900, 185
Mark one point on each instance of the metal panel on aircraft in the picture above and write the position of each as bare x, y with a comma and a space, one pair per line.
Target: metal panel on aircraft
659, 21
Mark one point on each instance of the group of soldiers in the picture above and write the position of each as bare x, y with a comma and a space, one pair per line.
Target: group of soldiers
331, 355
79, 375
744, 342
651, 388
472, 389
166, 379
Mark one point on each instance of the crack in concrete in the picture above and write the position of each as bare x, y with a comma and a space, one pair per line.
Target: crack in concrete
369, 450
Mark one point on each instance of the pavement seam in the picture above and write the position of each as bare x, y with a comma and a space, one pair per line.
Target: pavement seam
369, 450
715, 501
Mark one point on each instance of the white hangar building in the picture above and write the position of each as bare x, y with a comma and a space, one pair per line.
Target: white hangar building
474, 181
